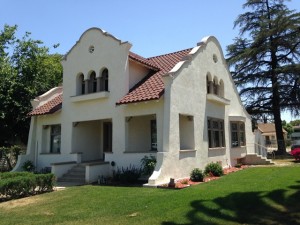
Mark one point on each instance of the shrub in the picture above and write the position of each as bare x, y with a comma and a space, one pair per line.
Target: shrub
214, 168
148, 164
28, 166
20, 184
196, 175
129, 174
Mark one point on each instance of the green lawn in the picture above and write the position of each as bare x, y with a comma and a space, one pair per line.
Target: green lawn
260, 195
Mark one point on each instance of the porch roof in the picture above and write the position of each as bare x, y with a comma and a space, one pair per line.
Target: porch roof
48, 107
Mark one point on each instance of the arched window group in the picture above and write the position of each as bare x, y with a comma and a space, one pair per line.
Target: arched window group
93, 83
214, 86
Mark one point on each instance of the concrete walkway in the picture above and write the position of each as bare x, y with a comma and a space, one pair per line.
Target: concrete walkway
63, 185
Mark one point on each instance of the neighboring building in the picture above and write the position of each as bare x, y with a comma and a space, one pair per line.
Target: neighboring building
115, 107
265, 137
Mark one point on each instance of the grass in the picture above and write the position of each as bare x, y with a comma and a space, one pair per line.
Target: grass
260, 195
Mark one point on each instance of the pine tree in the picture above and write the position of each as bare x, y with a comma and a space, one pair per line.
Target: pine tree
265, 59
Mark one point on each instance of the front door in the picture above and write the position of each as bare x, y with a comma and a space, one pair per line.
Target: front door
107, 137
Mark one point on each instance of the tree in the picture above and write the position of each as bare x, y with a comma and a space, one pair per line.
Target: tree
265, 59
26, 70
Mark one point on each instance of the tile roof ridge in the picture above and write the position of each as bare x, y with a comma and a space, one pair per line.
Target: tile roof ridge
170, 53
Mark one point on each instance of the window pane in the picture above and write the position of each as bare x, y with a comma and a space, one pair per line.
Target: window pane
55, 139
209, 139
234, 139
233, 126
215, 125
153, 135
242, 138
216, 139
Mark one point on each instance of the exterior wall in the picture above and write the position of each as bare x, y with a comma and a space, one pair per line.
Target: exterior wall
139, 133
87, 140
136, 73
186, 94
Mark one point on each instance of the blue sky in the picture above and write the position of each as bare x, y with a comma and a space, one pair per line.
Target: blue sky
153, 27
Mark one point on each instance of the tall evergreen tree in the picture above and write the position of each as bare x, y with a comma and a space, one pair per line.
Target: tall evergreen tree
265, 59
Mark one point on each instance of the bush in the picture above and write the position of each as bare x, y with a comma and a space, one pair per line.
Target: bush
196, 175
20, 184
148, 165
28, 166
214, 169
130, 174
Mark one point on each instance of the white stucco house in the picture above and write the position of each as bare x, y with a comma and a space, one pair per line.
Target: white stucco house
115, 107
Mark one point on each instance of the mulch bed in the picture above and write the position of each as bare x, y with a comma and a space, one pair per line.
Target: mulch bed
184, 183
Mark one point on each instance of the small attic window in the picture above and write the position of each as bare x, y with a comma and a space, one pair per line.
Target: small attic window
215, 58
91, 49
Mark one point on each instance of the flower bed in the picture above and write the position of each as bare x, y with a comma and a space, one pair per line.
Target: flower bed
187, 182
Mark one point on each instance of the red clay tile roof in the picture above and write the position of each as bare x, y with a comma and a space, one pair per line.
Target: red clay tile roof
49, 107
152, 86
143, 61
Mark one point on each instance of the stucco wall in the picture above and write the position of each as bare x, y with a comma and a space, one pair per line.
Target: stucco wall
185, 93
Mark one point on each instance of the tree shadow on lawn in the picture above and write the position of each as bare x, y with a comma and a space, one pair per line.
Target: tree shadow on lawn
275, 207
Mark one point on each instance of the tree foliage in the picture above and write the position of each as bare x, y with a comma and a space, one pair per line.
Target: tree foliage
265, 59
26, 70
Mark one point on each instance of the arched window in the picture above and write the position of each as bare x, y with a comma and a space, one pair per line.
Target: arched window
93, 83
81, 84
104, 80
216, 86
221, 88
209, 83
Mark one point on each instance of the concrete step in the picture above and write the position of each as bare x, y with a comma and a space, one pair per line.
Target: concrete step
255, 159
75, 174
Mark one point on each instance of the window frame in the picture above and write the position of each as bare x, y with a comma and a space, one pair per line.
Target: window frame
238, 134
215, 133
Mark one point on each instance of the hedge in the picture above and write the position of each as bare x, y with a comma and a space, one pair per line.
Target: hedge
20, 184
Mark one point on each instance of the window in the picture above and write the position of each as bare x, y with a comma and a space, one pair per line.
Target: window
215, 133
237, 134
153, 135
104, 80
55, 139
207, 85
82, 84
216, 87
107, 137
93, 83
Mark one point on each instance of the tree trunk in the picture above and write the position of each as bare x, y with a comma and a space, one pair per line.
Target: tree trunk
277, 117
